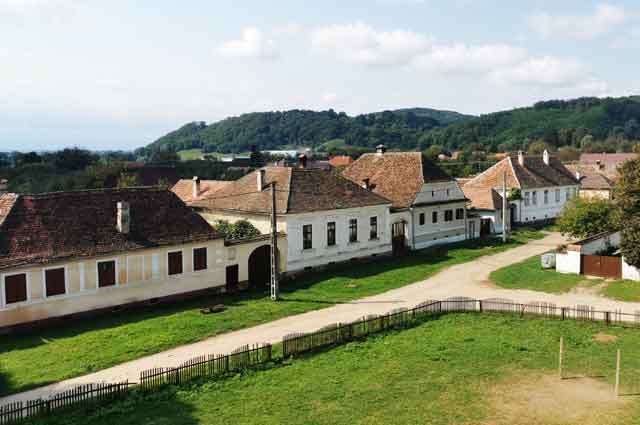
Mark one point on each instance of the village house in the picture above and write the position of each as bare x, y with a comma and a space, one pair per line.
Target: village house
326, 217
428, 207
598, 173
538, 187
76, 253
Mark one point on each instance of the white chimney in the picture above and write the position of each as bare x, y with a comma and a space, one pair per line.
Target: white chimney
123, 218
260, 179
366, 183
578, 176
380, 149
196, 186
545, 156
521, 158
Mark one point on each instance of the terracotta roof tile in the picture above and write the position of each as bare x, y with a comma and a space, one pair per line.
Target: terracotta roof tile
55, 226
184, 188
397, 176
483, 199
297, 190
340, 161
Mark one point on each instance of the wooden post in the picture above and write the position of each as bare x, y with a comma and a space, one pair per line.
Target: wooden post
275, 290
504, 207
560, 357
617, 389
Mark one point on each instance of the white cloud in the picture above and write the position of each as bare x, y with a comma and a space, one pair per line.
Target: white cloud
465, 58
252, 44
547, 70
329, 98
604, 18
360, 43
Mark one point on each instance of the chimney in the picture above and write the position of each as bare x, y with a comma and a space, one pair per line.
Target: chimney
261, 179
521, 158
545, 157
366, 183
302, 161
123, 217
381, 149
196, 186
578, 176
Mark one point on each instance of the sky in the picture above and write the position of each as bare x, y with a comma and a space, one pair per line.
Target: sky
119, 74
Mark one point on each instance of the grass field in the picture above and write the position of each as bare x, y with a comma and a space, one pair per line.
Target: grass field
529, 274
81, 347
458, 369
189, 154
622, 290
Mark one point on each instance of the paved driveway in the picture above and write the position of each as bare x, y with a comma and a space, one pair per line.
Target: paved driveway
469, 279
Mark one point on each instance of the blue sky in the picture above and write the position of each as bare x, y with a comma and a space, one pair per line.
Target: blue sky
118, 74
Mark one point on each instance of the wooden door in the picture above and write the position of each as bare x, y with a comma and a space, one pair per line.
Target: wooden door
602, 266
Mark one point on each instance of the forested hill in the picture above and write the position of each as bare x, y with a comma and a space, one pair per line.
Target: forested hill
606, 122
585, 123
274, 130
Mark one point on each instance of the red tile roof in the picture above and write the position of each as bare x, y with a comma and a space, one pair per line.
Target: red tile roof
483, 199
606, 158
297, 190
340, 161
397, 176
184, 189
64, 225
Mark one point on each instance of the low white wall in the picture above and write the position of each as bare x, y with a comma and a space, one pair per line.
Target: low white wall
630, 272
568, 262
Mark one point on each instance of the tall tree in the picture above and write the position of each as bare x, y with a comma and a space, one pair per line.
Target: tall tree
627, 194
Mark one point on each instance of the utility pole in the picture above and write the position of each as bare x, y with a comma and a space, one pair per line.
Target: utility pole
275, 290
504, 207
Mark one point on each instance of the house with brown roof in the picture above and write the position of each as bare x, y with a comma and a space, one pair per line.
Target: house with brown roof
326, 217
75, 253
543, 183
428, 206
598, 173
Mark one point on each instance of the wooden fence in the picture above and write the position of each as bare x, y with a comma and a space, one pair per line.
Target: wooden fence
247, 357
82, 396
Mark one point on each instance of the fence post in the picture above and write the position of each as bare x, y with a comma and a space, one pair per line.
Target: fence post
563, 309
560, 357
617, 389
480, 306
607, 317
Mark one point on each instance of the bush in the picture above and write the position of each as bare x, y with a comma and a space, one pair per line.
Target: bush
582, 218
241, 229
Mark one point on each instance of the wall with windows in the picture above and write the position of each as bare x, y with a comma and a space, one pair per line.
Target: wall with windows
544, 203
35, 293
310, 236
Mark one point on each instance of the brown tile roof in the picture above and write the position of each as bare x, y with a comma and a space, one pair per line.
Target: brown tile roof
297, 190
7, 200
592, 177
184, 188
483, 199
397, 176
56, 226
614, 159
532, 174
340, 161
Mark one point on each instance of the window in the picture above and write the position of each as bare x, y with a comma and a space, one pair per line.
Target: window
459, 213
421, 219
175, 263
546, 196
15, 288
106, 273
55, 282
373, 227
199, 259
434, 217
527, 199
557, 195
568, 194
433, 193
331, 233
307, 236
232, 275
448, 192
534, 197
353, 230
448, 215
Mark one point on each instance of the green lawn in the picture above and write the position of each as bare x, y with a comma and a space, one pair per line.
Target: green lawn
80, 347
529, 274
622, 290
190, 154
458, 369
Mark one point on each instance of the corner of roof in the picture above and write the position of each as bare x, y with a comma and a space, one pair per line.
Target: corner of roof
513, 170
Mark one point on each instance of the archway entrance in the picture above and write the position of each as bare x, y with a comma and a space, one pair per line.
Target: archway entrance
260, 267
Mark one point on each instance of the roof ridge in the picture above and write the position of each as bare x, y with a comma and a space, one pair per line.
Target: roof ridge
513, 170
60, 193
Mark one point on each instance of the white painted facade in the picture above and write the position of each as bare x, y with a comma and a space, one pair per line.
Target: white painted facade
543, 203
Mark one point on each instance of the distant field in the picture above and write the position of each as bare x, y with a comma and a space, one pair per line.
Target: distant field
458, 369
190, 154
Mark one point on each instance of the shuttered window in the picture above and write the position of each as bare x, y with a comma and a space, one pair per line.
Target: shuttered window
307, 236
175, 263
373, 228
106, 273
54, 282
331, 233
353, 230
199, 259
15, 288
448, 215
459, 213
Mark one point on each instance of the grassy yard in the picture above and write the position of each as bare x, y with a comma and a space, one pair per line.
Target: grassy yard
529, 274
458, 369
81, 347
622, 290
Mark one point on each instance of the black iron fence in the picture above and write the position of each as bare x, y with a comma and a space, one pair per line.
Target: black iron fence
248, 357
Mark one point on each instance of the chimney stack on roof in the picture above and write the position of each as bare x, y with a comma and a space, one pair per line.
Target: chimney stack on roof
381, 149
196, 186
521, 158
123, 217
302, 161
578, 175
366, 183
545, 156
261, 179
